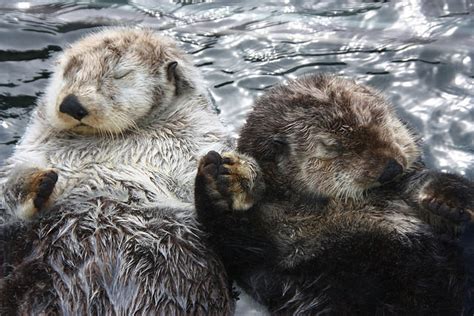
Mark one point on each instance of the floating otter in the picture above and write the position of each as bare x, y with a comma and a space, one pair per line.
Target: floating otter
104, 175
328, 209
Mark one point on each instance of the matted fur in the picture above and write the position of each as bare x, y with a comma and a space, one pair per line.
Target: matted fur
118, 234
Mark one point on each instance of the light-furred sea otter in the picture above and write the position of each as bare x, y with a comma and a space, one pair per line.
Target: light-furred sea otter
336, 214
104, 174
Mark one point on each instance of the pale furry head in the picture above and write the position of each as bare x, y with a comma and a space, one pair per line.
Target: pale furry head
110, 81
328, 136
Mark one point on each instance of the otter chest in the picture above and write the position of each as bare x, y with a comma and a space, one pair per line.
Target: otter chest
147, 168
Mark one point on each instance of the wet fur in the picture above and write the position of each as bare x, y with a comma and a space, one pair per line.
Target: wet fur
117, 235
323, 236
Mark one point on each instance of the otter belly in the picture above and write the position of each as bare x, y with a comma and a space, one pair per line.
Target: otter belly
132, 185
102, 257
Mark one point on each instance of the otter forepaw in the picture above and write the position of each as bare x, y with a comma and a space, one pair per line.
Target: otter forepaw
31, 192
42, 187
209, 165
449, 196
240, 178
234, 177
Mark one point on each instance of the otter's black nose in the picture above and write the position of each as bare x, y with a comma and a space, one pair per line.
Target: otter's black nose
71, 106
392, 169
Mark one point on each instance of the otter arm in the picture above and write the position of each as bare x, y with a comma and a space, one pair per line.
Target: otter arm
27, 180
441, 198
27, 190
248, 232
226, 190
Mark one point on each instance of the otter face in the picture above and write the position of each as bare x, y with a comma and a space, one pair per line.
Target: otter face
345, 161
334, 137
109, 81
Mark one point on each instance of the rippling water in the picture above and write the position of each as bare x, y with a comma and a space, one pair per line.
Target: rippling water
420, 53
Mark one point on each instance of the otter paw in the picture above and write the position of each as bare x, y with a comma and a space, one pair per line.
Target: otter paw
42, 186
38, 189
234, 177
449, 196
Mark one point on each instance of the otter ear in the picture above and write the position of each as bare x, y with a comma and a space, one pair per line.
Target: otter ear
174, 74
171, 70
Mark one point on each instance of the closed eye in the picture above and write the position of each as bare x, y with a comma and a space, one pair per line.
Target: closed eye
335, 147
332, 145
122, 73
328, 149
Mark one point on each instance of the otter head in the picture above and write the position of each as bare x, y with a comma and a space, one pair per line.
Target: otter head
111, 81
328, 136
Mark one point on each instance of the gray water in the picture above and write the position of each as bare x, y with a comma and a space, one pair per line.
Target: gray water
420, 53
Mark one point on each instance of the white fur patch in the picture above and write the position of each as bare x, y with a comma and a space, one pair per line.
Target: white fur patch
26, 211
240, 202
404, 224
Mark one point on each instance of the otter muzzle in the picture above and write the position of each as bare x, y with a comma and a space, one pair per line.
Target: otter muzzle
72, 107
392, 169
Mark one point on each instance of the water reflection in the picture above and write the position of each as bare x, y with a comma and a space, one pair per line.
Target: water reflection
419, 52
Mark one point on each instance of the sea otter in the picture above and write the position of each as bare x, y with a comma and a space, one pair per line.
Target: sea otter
99, 192
326, 208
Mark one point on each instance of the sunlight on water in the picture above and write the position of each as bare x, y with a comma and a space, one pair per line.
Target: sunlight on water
23, 5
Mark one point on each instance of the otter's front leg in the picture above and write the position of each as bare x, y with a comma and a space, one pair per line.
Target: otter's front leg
231, 182
448, 195
226, 191
28, 191
444, 195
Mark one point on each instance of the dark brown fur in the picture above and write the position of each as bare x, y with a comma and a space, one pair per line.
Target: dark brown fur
325, 236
